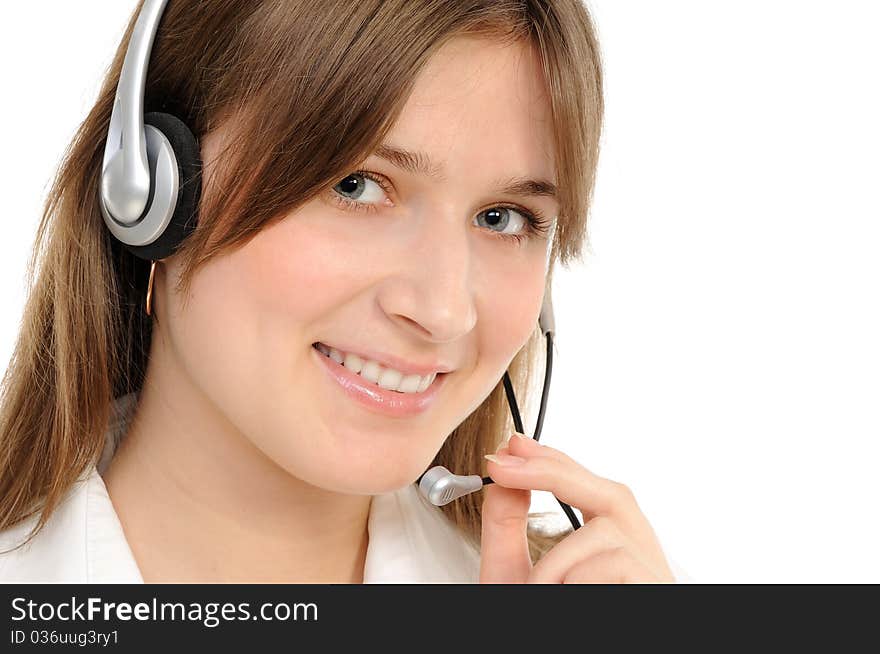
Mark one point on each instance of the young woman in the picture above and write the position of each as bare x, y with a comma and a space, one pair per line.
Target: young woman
386, 187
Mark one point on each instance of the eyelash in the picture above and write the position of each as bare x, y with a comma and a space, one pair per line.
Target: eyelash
537, 224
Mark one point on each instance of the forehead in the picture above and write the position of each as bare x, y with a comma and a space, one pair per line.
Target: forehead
479, 106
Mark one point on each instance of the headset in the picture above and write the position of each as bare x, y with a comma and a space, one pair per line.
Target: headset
149, 196
151, 174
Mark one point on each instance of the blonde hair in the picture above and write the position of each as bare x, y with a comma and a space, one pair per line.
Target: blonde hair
313, 88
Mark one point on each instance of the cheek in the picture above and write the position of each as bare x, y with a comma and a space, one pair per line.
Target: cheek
509, 311
508, 315
220, 337
243, 331
297, 270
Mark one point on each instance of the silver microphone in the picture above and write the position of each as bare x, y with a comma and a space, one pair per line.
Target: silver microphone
439, 486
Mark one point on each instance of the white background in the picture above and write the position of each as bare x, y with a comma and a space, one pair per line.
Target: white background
718, 350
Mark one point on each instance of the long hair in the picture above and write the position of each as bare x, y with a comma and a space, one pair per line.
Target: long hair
313, 88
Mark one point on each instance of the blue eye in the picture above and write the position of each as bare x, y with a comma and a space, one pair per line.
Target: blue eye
534, 225
501, 218
360, 187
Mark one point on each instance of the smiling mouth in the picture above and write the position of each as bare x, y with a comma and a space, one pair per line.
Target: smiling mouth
376, 382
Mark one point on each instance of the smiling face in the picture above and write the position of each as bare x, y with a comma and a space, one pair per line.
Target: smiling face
415, 267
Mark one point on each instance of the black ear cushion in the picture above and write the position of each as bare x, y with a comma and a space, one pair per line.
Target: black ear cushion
189, 166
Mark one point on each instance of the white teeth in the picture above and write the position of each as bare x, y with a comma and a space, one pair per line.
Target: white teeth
425, 382
371, 371
390, 379
387, 378
411, 384
336, 355
353, 362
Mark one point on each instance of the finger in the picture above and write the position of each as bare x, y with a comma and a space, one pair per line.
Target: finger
611, 566
504, 550
597, 535
522, 445
559, 474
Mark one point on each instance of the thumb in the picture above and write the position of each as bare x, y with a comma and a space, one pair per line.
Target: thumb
504, 556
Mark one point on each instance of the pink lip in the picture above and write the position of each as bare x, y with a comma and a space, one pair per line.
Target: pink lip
375, 398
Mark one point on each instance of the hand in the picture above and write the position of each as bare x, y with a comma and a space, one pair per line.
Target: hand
615, 545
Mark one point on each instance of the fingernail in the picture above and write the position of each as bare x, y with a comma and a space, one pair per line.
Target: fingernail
505, 459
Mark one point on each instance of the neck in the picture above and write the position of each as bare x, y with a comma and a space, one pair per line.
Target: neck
199, 502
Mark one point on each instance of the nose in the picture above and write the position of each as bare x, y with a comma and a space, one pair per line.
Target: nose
431, 293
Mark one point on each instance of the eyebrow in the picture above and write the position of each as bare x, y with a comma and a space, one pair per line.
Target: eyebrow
419, 163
